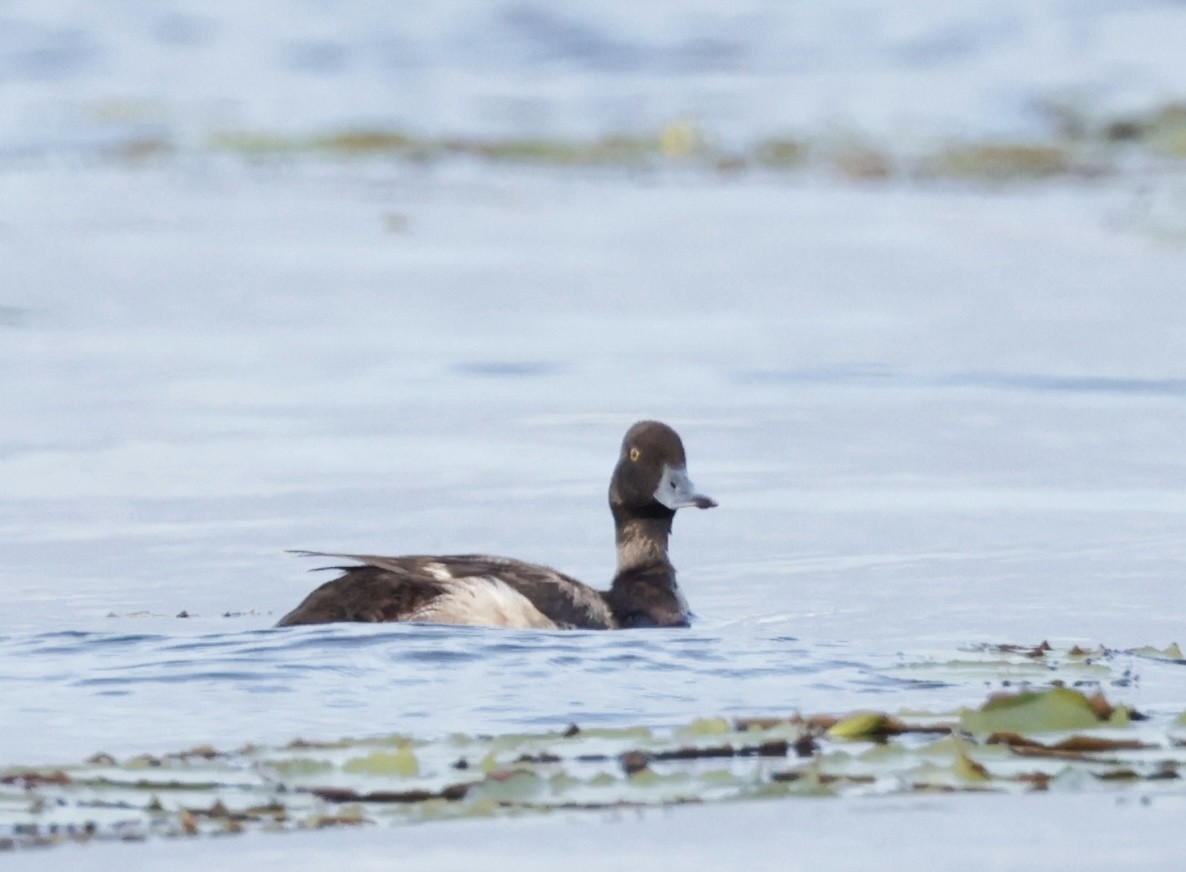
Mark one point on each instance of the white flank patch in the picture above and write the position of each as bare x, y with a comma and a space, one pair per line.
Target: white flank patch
483, 601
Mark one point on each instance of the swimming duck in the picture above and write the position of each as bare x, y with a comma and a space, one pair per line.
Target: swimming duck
649, 483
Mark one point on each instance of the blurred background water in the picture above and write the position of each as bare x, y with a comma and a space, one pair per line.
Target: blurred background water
935, 413
75, 75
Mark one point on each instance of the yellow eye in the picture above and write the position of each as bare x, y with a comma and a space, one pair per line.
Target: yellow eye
635, 454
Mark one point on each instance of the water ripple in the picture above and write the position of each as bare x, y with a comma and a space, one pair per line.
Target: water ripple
148, 692
152, 690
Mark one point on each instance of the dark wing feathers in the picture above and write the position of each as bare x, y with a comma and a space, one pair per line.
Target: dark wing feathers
392, 588
363, 593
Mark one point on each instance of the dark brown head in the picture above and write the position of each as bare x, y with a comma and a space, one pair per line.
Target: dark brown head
651, 478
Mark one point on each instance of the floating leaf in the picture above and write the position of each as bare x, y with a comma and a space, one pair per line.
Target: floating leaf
484, 806
1119, 717
1052, 710
298, 766
397, 780
967, 769
878, 725
862, 725
1170, 652
401, 762
562, 781
706, 727
511, 786
350, 815
643, 777
954, 746
1076, 746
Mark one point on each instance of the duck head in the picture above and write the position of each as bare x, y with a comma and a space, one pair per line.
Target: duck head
651, 478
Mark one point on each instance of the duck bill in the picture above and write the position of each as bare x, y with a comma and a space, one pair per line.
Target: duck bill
676, 491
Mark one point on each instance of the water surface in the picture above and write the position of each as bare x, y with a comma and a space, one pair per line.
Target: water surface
935, 417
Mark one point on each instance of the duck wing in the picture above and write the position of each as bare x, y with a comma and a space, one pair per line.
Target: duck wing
366, 594
447, 588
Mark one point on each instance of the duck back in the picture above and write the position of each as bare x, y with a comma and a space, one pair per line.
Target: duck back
475, 589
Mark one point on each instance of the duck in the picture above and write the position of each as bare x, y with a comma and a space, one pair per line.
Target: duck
649, 485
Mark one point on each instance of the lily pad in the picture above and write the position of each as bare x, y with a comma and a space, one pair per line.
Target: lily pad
862, 725
401, 762
1170, 652
1057, 709
706, 727
395, 780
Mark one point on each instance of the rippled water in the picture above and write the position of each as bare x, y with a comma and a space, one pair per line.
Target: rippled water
133, 692
150, 692
934, 417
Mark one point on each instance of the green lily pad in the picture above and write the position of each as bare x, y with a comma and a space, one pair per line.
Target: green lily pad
398, 779
863, 725
1047, 711
1170, 652
968, 770
401, 762
511, 786
298, 766
706, 727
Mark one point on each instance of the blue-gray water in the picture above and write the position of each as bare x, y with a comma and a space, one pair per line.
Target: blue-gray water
934, 417
127, 692
83, 77
917, 446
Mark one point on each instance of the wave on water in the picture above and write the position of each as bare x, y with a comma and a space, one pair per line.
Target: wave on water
144, 690
132, 691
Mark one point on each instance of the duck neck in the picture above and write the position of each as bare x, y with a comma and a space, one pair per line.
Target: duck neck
642, 540
644, 592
